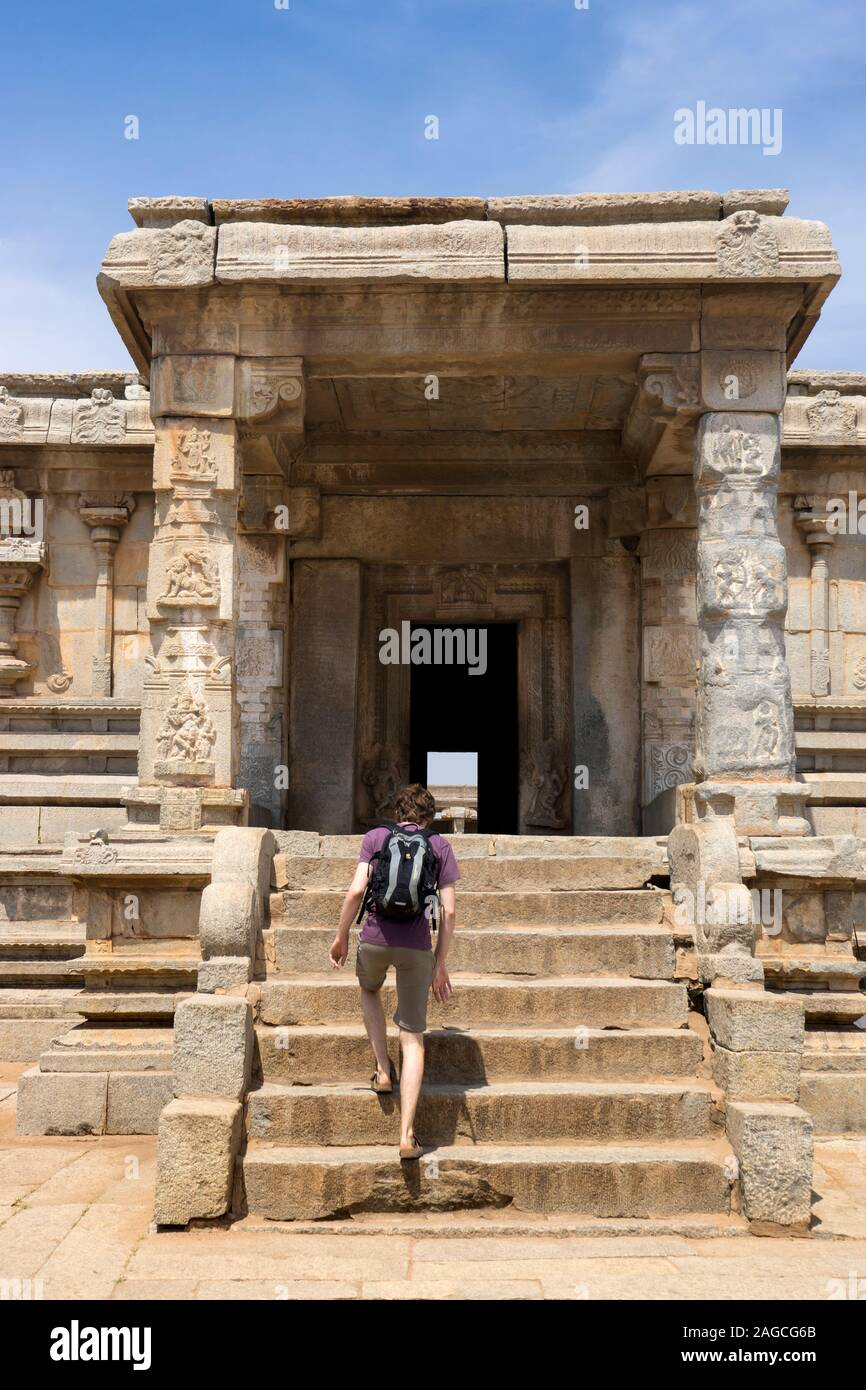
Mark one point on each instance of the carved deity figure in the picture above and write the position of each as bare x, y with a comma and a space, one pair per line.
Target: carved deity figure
766, 736
548, 782
193, 458
191, 577
188, 733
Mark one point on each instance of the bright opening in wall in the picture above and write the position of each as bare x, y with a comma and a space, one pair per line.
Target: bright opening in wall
452, 769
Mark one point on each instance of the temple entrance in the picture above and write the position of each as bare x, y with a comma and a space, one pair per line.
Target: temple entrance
472, 707
516, 715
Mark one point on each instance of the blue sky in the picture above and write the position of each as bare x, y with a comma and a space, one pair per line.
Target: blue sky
237, 98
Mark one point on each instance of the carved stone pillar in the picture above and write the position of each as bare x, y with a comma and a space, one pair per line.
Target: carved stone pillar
22, 557
106, 516
745, 759
188, 757
813, 522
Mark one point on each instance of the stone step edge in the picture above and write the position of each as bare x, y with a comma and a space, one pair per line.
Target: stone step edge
481, 1030
456, 1225
342, 1089
714, 1150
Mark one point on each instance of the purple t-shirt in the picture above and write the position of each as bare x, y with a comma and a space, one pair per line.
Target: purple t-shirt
385, 931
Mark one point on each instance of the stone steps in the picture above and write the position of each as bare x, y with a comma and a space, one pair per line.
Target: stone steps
833, 1079
290, 1183
30, 1018
95, 1047
479, 1000
132, 1004
136, 971
490, 874
26, 940
515, 1112
502, 1221
312, 1054
829, 1006
565, 908
36, 952
561, 1078
815, 971
640, 951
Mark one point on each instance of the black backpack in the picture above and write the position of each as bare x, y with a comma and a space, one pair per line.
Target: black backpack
404, 875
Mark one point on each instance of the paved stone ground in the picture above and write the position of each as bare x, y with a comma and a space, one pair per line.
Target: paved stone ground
75, 1214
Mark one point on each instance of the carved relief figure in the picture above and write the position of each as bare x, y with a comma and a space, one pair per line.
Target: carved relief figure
183, 254
101, 420
548, 782
193, 458
191, 578
745, 245
381, 779
731, 578
832, 415
765, 741
187, 733
11, 412
740, 453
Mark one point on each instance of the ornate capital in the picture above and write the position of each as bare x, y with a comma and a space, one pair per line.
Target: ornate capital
271, 391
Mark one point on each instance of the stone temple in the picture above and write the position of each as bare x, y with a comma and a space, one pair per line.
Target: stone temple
572, 423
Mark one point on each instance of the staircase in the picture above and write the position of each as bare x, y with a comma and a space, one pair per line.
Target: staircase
563, 1077
40, 939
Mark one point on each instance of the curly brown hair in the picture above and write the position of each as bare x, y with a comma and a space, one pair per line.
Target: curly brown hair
414, 803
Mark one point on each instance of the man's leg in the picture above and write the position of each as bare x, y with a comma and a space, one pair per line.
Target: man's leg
411, 1076
374, 1022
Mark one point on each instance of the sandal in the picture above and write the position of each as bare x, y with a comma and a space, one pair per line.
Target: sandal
414, 1150
377, 1086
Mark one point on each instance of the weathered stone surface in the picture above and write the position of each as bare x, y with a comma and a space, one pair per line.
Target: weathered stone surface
752, 1021
829, 857
482, 1001
773, 1143
603, 209
307, 1183
285, 254
165, 212
136, 1101
506, 1112
348, 211
341, 1052
213, 1036
835, 1103
744, 246
54, 1103
198, 1140
164, 257
757, 1075
224, 975
772, 202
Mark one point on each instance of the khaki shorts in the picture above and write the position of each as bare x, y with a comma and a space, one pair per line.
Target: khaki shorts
414, 977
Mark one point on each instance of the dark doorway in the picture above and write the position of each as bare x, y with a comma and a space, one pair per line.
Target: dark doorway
455, 710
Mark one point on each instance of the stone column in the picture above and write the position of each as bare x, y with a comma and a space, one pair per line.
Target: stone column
188, 758
814, 525
106, 517
190, 754
745, 760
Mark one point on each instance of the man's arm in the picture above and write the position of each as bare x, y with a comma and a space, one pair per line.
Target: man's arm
349, 911
441, 981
